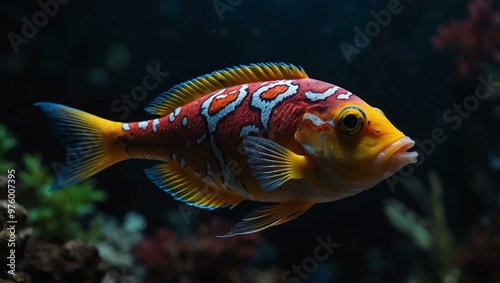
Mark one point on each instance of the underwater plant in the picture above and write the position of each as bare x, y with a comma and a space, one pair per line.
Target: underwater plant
475, 259
68, 207
47, 223
7, 142
38, 261
431, 233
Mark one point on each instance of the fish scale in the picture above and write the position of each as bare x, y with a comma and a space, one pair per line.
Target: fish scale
263, 132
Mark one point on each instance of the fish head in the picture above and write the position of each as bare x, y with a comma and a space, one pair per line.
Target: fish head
354, 143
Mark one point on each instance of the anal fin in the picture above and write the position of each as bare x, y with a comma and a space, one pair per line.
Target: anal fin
266, 217
190, 189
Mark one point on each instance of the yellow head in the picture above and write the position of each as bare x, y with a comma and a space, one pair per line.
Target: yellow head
354, 143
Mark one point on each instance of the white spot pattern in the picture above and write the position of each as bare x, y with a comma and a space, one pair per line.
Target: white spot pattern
317, 121
229, 181
209, 178
246, 130
213, 120
344, 96
174, 114
224, 95
125, 127
184, 121
155, 124
266, 106
143, 125
315, 96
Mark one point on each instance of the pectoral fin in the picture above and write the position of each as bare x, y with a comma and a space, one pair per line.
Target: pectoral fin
271, 163
266, 217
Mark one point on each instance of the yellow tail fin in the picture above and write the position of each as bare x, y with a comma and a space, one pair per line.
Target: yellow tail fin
89, 140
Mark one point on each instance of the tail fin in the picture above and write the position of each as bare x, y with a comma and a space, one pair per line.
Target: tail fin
89, 142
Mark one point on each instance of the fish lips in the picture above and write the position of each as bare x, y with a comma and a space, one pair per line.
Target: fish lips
397, 152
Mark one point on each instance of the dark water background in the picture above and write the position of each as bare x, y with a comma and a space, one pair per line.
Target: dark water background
92, 52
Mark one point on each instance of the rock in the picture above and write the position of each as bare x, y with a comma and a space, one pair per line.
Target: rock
74, 262
19, 277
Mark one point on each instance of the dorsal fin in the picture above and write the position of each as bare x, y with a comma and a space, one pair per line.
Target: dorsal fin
184, 93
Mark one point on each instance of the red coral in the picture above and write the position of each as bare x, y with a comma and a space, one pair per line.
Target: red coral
168, 257
476, 39
159, 251
484, 246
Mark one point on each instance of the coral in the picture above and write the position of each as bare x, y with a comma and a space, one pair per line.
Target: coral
73, 262
481, 256
194, 257
116, 241
475, 40
484, 246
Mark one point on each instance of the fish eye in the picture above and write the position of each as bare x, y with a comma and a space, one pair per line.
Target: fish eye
351, 120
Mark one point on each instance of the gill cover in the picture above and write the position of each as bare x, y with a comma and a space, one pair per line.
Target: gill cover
314, 133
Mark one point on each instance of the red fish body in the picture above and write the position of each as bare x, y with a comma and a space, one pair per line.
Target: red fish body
215, 123
233, 135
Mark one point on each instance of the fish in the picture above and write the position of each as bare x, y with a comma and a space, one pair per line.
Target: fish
262, 132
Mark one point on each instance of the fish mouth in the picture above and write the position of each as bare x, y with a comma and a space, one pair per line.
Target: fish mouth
397, 151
